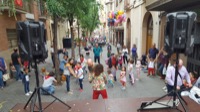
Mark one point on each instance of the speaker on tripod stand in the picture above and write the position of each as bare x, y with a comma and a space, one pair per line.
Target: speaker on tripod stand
32, 46
179, 38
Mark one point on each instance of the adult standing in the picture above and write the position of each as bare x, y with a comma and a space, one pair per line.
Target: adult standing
98, 80
68, 70
65, 52
125, 54
153, 51
109, 48
62, 64
134, 53
52, 55
118, 47
170, 76
16, 61
162, 62
97, 52
3, 69
90, 64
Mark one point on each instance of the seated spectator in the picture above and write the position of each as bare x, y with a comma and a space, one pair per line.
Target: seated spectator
48, 84
144, 60
193, 77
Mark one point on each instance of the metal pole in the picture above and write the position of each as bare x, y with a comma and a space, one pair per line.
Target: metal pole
176, 77
38, 86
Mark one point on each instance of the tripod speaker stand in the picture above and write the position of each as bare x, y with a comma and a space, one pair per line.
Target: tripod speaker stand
36, 94
174, 92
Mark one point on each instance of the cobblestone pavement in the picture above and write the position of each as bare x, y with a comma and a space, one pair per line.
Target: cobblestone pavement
146, 87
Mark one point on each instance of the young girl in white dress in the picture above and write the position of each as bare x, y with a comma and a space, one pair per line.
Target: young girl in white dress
138, 69
123, 78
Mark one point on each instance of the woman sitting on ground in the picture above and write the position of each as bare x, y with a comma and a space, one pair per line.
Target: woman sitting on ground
48, 83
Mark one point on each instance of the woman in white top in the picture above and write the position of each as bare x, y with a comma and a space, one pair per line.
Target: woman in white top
48, 83
125, 54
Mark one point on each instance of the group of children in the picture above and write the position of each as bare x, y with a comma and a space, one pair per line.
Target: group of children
129, 70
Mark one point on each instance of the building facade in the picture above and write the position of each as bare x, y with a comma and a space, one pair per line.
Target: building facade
32, 10
28, 11
140, 28
109, 6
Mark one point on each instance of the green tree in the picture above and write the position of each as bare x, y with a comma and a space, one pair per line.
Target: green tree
66, 9
90, 21
55, 9
74, 10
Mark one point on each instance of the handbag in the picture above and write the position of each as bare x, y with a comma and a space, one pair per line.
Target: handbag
6, 77
63, 78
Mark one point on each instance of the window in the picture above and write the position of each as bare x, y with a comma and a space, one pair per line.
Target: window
12, 37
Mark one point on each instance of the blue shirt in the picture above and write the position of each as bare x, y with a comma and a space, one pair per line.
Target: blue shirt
97, 51
153, 52
62, 64
134, 51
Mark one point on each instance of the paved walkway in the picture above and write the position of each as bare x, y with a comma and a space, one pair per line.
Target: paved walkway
146, 87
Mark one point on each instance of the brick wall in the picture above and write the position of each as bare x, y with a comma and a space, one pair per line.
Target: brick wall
6, 23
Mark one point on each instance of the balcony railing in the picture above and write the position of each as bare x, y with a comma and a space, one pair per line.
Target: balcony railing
6, 5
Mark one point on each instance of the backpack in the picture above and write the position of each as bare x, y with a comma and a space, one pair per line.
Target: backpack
2, 65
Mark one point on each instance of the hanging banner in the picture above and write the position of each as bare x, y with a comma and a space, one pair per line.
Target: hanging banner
19, 3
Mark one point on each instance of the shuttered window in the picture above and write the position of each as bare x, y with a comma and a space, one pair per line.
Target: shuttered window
12, 37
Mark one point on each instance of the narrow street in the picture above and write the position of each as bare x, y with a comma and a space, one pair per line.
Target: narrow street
146, 87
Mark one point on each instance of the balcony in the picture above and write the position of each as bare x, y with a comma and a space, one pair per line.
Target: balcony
127, 5
6, 5
42, 10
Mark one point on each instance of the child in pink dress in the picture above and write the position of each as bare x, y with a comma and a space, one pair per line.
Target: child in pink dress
123, 78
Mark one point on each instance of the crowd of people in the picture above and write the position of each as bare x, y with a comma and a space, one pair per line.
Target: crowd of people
129, 64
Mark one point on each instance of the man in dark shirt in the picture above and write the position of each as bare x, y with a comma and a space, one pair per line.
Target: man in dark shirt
16, 61
153, 51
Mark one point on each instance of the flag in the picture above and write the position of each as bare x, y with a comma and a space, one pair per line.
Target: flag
19, 3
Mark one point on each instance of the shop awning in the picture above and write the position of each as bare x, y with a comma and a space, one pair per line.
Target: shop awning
173, 5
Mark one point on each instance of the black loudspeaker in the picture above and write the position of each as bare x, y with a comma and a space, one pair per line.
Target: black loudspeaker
179, 32
31, 40
67, 42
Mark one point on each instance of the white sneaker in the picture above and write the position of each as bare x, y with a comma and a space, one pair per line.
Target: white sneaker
30, 92
164, 88
27, 94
